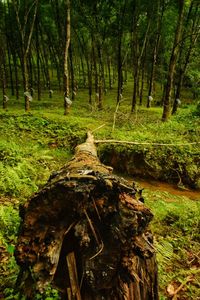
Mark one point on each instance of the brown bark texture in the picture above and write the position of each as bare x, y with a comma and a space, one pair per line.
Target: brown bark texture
86, 233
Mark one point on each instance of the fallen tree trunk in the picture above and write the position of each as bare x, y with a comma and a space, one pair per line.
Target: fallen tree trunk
86, 234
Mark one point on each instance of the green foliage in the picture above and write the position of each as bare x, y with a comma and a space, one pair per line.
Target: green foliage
9, 224
176, 230
49, 294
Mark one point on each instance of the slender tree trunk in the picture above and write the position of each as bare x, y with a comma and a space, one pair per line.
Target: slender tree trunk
16, 75
125, 71
109, 72
83, 70
10, 70
119, 65
66, 71
26, 37
95, 65
138, 57
142, 79
89, 74
72, 72
155, 51
45, 61
134, 98
183, 62
3, 78
38, 59
172, 63
101, 77
26, 82
30, 70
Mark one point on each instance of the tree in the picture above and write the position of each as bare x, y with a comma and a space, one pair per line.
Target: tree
172, 63
190, 36
25, 30
90, 235
139, 16
66, 70
159, 19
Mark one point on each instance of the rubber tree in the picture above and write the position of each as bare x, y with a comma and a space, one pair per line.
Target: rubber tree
120, 17
159, 19
66, 54
25, 23
189, 39
172, 64
139, 46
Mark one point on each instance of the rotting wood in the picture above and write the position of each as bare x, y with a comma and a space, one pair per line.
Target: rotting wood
86, 210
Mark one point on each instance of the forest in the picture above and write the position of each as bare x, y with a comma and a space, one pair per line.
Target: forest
100, 109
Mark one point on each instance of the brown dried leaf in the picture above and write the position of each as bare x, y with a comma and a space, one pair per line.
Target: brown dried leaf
171, 289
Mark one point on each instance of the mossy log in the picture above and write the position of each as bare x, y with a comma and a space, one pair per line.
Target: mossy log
86, 234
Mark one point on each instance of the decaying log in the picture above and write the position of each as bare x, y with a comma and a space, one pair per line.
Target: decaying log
86, 234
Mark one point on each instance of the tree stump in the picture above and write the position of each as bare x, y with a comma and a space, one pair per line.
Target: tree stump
86, 234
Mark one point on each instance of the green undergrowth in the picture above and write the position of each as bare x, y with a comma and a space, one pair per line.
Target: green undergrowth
34, 144
176, 226
9, 224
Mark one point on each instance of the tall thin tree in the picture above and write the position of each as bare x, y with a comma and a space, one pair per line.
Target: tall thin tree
66, 54
172, 63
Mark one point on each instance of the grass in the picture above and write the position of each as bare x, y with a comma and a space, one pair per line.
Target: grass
34, 144
176, 232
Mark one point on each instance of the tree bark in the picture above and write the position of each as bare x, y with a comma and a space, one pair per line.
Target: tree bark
66, 71
86, 233
72, 71
94, 57
38, 58
16, 75
3, 78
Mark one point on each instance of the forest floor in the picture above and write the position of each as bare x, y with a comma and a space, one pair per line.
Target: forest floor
35, 144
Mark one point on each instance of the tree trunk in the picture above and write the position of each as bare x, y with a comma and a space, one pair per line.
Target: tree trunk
86, 234
30, 71
109, 72
3, 78
45, 62
142, 79
10, 69
138, 57
155, 50
119, 64
95, 65
66, 71
172, 64
26, 33
121, 17
134, 98
89, 75
184, 61
16, 75
100, 77
72, 72
26, 82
